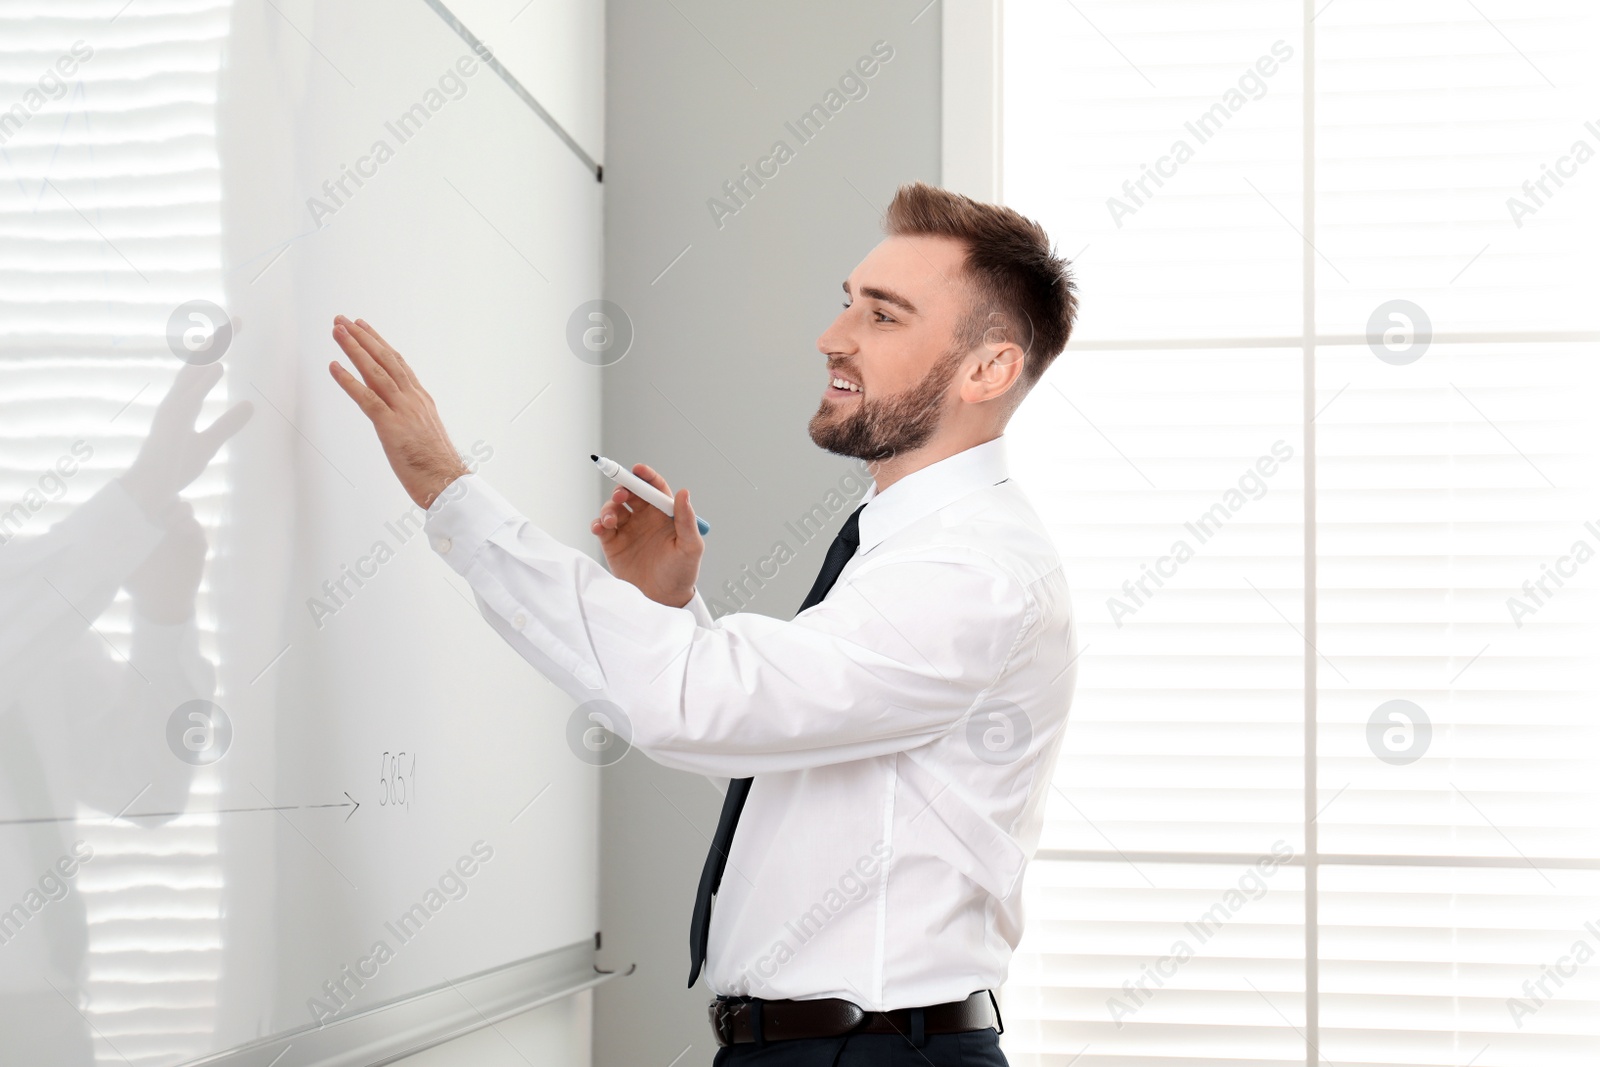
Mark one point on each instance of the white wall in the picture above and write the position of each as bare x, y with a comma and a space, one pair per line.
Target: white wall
724, 372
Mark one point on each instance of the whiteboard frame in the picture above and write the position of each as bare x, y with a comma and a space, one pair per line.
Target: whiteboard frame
407, 1025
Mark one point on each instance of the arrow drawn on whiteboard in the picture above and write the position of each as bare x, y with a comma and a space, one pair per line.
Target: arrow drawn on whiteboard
349, 802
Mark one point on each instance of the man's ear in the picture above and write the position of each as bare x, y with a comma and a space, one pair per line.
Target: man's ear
999, 367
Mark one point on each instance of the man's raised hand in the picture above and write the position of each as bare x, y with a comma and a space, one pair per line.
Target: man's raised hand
408, 424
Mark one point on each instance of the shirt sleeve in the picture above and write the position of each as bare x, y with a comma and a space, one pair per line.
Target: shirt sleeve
892, 659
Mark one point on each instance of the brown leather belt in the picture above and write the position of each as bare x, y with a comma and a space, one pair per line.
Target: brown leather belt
737, 1020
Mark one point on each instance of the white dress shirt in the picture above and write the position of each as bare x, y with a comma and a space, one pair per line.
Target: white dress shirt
901, 734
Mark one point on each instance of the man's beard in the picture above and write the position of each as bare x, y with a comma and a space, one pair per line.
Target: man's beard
879, 429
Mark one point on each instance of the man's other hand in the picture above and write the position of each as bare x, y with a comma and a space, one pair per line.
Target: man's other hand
401, 411
660, 555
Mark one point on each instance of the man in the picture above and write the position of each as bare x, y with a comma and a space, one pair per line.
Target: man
890, 748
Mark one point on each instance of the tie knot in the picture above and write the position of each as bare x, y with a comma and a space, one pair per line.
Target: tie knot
850, 532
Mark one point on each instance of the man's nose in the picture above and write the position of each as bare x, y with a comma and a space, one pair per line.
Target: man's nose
835, 340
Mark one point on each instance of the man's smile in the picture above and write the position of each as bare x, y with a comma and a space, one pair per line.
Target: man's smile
840, 387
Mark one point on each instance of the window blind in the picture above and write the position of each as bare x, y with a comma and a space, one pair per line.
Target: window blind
109, 219
1338, 664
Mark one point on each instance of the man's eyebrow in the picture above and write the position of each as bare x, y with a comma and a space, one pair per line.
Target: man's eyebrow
888, 296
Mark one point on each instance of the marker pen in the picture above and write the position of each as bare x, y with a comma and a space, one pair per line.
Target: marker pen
641, 488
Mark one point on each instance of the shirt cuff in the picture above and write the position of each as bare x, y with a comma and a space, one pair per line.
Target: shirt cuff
465, 516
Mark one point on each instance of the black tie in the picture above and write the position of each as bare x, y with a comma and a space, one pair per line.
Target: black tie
839, 553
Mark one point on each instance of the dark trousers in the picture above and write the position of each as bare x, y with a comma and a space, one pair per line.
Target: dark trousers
970, 1048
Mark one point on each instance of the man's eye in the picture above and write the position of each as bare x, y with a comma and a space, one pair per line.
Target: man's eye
882, 316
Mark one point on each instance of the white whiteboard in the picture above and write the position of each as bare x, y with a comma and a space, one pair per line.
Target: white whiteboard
234, 900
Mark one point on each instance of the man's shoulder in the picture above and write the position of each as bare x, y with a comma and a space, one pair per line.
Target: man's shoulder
996, 523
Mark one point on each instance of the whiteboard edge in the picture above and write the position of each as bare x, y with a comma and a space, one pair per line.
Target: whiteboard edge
405, 1026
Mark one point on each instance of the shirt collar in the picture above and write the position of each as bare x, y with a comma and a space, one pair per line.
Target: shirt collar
925, 491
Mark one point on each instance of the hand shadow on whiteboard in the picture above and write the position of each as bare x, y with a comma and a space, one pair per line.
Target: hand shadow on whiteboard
83, 727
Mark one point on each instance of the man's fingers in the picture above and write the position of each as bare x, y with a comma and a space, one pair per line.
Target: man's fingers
372, 346
687, 529
649, 475
375, 376
367, 326
369, 402
613, 514
399, 360
386, 354
377, 379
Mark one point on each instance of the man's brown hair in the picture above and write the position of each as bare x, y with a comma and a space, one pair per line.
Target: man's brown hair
1018, 284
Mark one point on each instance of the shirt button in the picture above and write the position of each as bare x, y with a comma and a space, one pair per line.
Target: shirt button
443, 544
519, 620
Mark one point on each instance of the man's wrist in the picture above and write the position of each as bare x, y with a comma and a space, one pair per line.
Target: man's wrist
438, 485
667, 598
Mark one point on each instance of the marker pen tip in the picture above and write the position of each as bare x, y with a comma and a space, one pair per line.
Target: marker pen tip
594, 457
